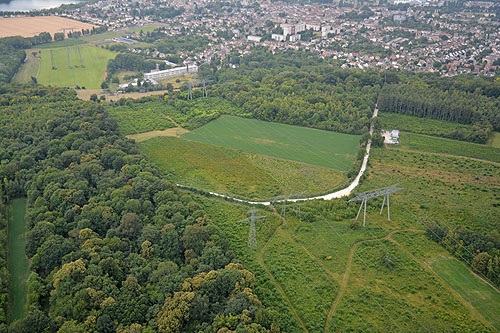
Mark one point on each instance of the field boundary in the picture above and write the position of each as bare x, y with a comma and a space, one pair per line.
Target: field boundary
443, 154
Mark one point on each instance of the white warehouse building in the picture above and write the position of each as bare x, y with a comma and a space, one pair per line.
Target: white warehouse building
156, 74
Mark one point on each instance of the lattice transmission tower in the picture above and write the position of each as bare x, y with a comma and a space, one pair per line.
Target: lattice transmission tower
252, 235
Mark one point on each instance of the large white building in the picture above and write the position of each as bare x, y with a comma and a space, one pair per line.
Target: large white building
156, 74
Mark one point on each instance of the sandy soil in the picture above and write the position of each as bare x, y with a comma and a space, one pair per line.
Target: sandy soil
31, 26
176, 131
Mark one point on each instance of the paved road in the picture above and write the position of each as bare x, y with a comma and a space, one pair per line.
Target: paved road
337, 194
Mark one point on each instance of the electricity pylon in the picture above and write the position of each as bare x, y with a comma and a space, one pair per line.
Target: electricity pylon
252, 235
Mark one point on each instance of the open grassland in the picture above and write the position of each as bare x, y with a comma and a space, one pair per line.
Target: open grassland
387, 276
310, 289
31, 26
428, 126
322, 148
90, 75
424, 143
232, 172
495, 140
18, 263
403, 297
475, 291
29, 68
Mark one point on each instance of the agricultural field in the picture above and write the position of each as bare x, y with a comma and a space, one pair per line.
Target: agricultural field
321, 148
425, 143
141, 118
31, 26
90, 75
232, 172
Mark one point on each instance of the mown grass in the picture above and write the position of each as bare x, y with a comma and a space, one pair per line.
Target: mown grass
480, 295
18, 263
232, 172
322, 148
431, 144
29, 68
90, 75
405, 297
428, 126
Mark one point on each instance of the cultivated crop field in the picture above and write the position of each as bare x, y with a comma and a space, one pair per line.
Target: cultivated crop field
90, 75
31, 26
322, 148
232, 172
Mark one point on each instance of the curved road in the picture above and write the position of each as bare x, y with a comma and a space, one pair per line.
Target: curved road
337, 194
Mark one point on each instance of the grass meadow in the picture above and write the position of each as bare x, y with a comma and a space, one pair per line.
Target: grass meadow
433, 144
322, 148
90, 75
232, 172
18, 263
495, 140
29, 68
428, 126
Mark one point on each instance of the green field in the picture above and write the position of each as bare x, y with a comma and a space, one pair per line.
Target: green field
232, 172
495, 140
89, 76
432, 144
322, 148
480, 295
141, 118
29, 68
428, 126
68, 42
18, 263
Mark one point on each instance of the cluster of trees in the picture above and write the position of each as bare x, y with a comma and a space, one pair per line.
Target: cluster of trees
163, 12
478, 249
421, 100
113, 246
131, 62
185, 43
11, 58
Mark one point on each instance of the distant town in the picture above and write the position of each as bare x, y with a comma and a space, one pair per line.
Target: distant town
430, 36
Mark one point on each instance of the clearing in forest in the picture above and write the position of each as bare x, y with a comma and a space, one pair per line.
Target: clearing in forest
312, 146
56, 70
18, 263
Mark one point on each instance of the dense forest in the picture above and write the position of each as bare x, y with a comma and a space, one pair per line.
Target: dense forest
112, 245
4, 272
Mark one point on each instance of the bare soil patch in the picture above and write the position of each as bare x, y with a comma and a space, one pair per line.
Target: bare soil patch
176, 132
31, 26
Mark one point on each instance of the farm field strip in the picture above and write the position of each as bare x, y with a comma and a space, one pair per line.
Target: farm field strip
322, 148
480, 295
31, 26
90, 75
419, 142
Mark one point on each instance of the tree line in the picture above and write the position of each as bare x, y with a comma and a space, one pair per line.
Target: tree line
421, 100
113, 246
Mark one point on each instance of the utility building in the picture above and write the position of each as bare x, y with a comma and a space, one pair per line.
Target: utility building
156, 74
